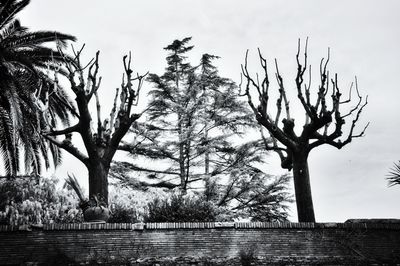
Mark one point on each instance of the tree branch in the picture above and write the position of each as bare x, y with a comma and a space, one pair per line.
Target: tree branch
74, 128
93, 85
245, 72
324, 74
299, 80
337, 133
261, 112
113, 111
69, 147
133, 167
124, 117
99, 123
282, 94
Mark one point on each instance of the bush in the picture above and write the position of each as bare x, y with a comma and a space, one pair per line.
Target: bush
122, 214
26, 201
178, 208
127, 205
248, 256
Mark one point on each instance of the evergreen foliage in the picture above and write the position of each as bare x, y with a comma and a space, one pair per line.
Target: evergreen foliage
179, 208
193, 118
193, 132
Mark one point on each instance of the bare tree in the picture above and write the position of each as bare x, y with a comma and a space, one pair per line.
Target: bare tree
100, 144
294, 149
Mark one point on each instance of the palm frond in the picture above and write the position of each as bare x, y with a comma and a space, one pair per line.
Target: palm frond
24, 58
394, 175
74, 184
7, 147
12, 28
8, 10
34, 39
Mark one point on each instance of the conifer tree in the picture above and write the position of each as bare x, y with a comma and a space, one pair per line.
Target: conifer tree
193, 133
193, 116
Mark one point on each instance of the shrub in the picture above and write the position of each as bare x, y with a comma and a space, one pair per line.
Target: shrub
25, 201
248, 256
127, 205
122, 214
178, 208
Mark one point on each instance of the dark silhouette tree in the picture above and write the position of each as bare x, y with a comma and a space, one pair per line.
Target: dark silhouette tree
100, 144
25, 59
293, 148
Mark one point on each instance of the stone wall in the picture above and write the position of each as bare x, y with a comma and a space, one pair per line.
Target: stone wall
203, 243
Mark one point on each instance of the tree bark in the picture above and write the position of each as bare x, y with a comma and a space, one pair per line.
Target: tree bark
98, 180
301, 176
206, 155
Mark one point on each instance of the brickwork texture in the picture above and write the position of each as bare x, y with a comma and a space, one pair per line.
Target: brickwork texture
203, 244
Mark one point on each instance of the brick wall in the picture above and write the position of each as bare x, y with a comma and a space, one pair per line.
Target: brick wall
203, 243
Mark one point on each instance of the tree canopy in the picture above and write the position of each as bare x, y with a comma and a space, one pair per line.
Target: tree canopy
194, 132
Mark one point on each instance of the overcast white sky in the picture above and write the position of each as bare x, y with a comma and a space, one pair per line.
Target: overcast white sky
364, 37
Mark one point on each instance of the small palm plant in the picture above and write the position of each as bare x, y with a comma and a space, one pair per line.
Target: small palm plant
94, 209
74, 184
394, 175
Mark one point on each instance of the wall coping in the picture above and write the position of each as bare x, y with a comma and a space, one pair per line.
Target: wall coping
201, 225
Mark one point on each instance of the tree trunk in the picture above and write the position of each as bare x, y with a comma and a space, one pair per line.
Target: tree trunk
182, 169
98, 180
301, 176
206, 155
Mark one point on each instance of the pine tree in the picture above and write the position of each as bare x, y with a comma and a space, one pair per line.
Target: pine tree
193, 132
193, 116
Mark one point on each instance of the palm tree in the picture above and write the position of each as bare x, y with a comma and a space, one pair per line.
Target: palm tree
25, 65
394, 175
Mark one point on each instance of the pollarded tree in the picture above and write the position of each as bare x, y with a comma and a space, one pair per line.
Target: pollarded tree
100, 144
292, 148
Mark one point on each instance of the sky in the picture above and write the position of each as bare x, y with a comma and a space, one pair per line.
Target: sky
364, 40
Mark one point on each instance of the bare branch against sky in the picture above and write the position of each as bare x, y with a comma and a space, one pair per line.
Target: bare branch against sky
363, 36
